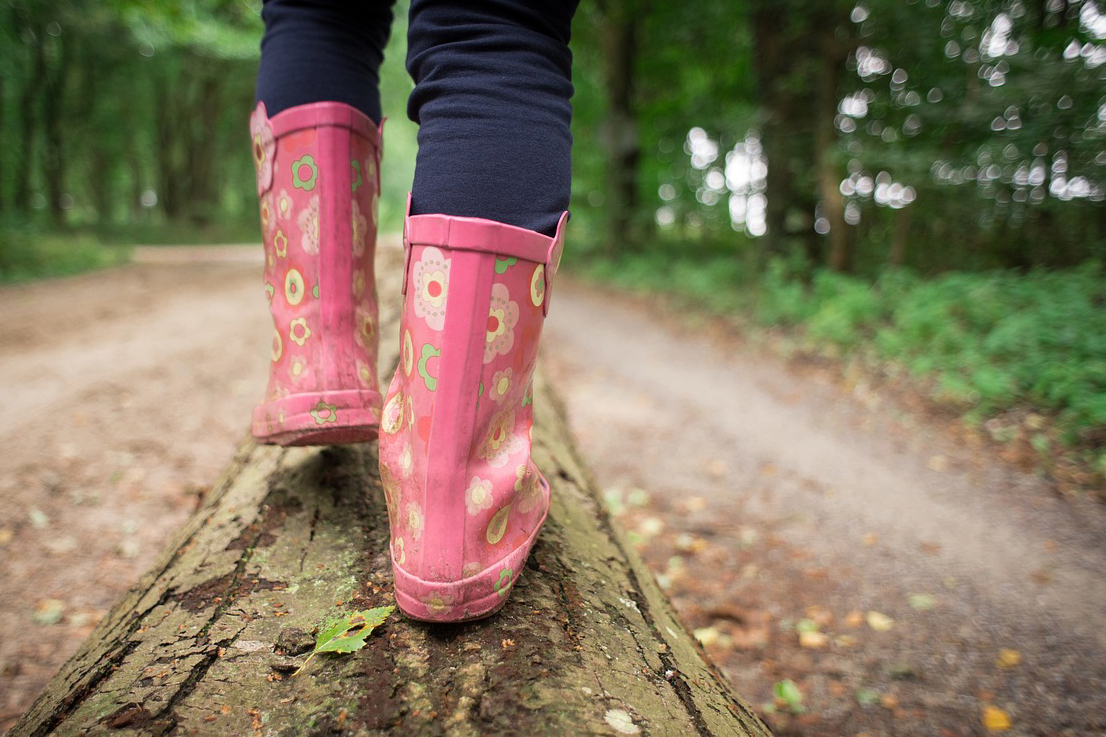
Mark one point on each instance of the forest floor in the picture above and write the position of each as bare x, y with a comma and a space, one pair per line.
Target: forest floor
809, 527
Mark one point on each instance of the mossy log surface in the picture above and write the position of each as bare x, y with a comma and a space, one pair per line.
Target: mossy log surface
206, 642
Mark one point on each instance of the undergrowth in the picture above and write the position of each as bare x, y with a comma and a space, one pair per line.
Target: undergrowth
30, 251
984, 343
26, 255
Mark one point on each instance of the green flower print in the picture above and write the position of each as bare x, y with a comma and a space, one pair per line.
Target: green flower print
293, 287
502, 263
428, 352
307, 161
324, 413
503, 583
356, 175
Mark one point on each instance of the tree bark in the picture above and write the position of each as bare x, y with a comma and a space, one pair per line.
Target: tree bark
206, 642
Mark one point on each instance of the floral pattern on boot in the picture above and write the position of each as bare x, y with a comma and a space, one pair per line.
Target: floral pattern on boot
322, 381
466, 501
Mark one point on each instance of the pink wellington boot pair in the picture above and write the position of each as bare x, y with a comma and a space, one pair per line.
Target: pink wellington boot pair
465, 500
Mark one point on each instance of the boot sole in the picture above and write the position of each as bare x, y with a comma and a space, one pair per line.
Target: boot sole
318, 418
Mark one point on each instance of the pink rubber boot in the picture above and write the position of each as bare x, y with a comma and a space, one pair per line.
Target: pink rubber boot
465, 501
318, 169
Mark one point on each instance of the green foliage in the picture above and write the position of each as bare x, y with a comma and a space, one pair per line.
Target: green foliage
781, 298
690, 68
216, 29
347, 633
400, 134
26, 254
987, 114
1001, 338
159, 233
788, 693
717, 283
124, 112
867, 696
130, 117
990, 340
986, 342
844, 309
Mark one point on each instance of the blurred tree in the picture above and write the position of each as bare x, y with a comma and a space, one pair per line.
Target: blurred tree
645, 73
974, 127
801, 48
929, 133
620, 29
125, 102
971, 127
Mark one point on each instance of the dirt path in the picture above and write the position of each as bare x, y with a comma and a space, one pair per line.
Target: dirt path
767, 499
767, 496
125, 393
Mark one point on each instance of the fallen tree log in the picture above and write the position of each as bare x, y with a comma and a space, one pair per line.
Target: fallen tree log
206, 642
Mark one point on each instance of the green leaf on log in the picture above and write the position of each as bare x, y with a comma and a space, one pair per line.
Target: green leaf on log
347, 633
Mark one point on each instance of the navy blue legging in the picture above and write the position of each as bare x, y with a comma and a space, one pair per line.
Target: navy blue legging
493, 80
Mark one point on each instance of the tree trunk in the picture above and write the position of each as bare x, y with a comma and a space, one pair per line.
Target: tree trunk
620, 28
27, 106
835, 46
137, 181
800, 56
207, 640
840, 235
54, 158
91, 71
901, 236
3, 147
100, 189
768, 67
783, 36
201, 150
170, 175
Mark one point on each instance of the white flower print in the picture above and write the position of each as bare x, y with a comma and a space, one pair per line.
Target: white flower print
478, 496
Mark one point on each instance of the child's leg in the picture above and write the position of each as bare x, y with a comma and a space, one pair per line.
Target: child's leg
483, 242
493, 80
316, 142
323, 51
